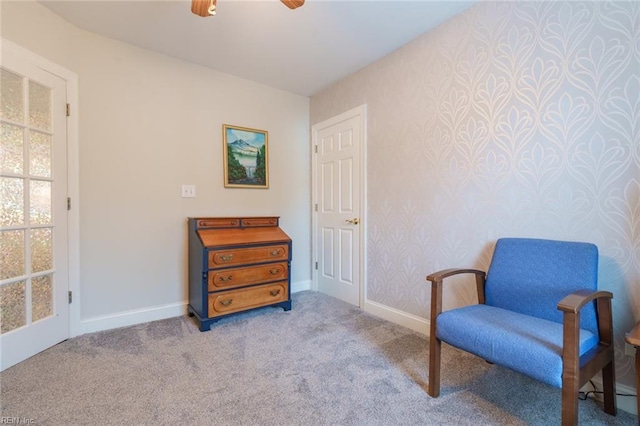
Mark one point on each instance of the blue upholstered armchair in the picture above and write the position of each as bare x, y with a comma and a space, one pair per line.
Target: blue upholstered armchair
539, 314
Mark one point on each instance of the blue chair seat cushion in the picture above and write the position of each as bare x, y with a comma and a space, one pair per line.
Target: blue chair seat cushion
523, 343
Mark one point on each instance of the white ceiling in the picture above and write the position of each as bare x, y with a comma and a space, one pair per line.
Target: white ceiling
300, 51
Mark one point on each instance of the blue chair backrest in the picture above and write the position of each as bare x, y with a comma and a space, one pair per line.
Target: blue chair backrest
532, 276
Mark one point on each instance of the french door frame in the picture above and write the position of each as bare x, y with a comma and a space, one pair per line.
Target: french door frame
73, 168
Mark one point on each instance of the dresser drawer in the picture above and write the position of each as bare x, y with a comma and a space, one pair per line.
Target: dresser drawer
222, 258
229, 278
260, 221
218, 222
246, 298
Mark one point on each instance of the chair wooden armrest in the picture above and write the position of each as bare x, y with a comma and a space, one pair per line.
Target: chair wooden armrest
437, 276
576, 300
573, 303
436, 286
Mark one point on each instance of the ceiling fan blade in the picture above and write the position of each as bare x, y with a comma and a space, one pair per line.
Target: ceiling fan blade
292, 4
205, 8
201, 7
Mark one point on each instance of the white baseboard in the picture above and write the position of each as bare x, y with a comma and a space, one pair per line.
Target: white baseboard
153, 313
413, 322
133, 317
300, 286
624, 403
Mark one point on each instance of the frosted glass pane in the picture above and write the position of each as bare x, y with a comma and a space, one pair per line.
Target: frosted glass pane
12, 254
11, 99
11, 152
39, 106
41, 297
41, 250
12, 201
40, 202
13, 306
39, 154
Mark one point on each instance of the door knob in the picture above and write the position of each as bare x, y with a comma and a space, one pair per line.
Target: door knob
354, 221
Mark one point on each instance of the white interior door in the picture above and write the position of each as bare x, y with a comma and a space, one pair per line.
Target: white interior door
338, 188
34, 274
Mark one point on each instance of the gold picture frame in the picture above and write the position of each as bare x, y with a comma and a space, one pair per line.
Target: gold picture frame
246, 157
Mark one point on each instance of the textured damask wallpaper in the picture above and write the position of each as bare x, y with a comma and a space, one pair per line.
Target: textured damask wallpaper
512, 119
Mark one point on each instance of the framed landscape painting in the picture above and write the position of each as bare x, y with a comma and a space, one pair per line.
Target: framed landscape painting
245, 157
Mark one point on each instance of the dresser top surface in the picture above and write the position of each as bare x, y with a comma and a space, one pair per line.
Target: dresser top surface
242, 236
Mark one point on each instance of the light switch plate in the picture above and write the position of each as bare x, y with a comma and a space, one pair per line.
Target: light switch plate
188, 191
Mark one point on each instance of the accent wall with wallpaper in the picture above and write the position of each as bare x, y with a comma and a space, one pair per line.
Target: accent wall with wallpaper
511, 119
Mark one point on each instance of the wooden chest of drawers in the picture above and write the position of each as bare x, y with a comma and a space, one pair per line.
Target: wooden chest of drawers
237, 264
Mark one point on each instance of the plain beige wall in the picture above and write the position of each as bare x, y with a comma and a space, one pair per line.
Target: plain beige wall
148, 124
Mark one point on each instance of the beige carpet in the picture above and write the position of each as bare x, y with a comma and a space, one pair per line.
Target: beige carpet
322, 363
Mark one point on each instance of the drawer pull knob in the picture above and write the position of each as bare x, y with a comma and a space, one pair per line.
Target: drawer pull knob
274, 293
225, 279
226, 302
276, 252
226, 258
274, 271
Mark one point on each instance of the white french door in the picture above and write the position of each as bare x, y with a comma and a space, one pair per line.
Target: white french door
338, 224
34, 274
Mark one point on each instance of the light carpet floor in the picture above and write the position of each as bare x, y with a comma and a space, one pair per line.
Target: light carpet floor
322, 363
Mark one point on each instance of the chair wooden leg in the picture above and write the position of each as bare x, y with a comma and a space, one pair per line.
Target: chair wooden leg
570, 391
570, 369
608, 383
638, 380
434, 366
434, 343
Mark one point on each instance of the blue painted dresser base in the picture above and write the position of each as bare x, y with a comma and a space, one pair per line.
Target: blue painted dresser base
205, 323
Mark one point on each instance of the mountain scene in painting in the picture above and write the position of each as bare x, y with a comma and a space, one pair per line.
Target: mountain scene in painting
243, 148
246, 163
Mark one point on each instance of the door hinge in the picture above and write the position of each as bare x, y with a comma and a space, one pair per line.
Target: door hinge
70, 297
68, 203
316, 266
316, 147
316, 206
68, 110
